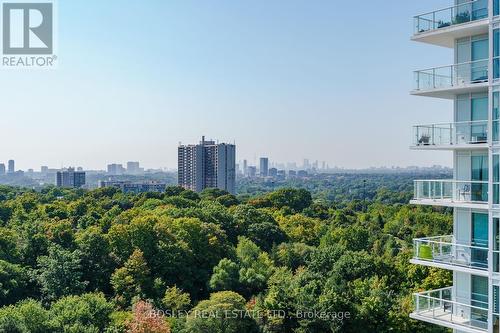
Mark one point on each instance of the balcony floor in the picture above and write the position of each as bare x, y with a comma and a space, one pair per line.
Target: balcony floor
451, 264
470, 146
444, 318
446, 36
449, 203
452, 91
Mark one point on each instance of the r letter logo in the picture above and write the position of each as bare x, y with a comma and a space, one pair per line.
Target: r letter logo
28, 29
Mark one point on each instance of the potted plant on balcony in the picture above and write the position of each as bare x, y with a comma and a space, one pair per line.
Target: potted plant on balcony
461, 18
424, 139
442, 24
425, 252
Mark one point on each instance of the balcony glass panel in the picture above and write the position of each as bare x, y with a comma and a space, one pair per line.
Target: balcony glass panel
448, 134
462, 13
445, 250
452, 76
451, 191
442, 305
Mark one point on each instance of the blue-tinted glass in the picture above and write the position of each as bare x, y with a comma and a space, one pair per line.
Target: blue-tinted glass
496, 7
496, 168
479, 108
480, 49
496, 42
480, 229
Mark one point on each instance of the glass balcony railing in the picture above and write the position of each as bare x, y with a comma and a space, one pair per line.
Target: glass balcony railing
452, 76
451, 191
443, 306
450, 134
445, 250
463, 13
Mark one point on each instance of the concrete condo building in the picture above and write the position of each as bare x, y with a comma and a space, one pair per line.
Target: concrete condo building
472, 31
207, 164
70, 178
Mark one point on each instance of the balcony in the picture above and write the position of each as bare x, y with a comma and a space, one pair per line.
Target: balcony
467, 134
451, 193
442, 307
448, 81
444, 252
442, 27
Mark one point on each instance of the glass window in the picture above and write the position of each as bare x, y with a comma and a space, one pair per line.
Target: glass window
495, 115
479, 297
496, 53
496, 7
479, 188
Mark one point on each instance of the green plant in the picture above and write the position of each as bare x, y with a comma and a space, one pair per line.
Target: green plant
425, 252
461, 18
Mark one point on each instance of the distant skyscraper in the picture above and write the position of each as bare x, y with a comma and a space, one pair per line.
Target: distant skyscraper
273, 172
44, 169
264, 166
252, 171
245, 167
207, 165
133, 168
12, 167
116, 169
2, 169
306, 164
70, 178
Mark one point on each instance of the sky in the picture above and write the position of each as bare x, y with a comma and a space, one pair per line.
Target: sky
287, 79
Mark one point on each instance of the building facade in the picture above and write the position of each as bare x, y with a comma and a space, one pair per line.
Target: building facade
2, 169
70, 178
207, 165
264, 167
11, 166
472, 82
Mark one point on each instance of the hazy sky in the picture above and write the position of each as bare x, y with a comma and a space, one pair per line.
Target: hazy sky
325, 80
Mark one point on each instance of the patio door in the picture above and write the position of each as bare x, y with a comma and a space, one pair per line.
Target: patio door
479, 51
479, 190
479, 300
479, 239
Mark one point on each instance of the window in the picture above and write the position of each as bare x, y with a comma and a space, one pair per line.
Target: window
496, 53
495, 115
479, 239
479, 297
479, 177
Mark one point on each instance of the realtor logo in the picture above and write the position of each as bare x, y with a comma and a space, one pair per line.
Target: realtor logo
28, 34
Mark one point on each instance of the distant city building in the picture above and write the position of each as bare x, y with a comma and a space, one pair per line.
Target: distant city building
2, 169
306, 164
245, 168
207, 165
264, 167
281, 174
135, 187
252, 171
116, 169
12, 167
134, 168
44, 169
302, 173
70, 178
273, 172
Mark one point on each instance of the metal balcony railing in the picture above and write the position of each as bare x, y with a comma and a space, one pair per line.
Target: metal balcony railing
459, 14
451, 76
450, 191
445, 250
443, 306
450, 134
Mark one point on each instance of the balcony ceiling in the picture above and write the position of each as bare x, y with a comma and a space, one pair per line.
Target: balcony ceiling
451, 92
446, 36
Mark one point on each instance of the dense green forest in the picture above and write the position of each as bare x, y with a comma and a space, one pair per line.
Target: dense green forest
283, 261
342, 188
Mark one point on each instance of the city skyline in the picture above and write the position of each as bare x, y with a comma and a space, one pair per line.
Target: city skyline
282, 69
